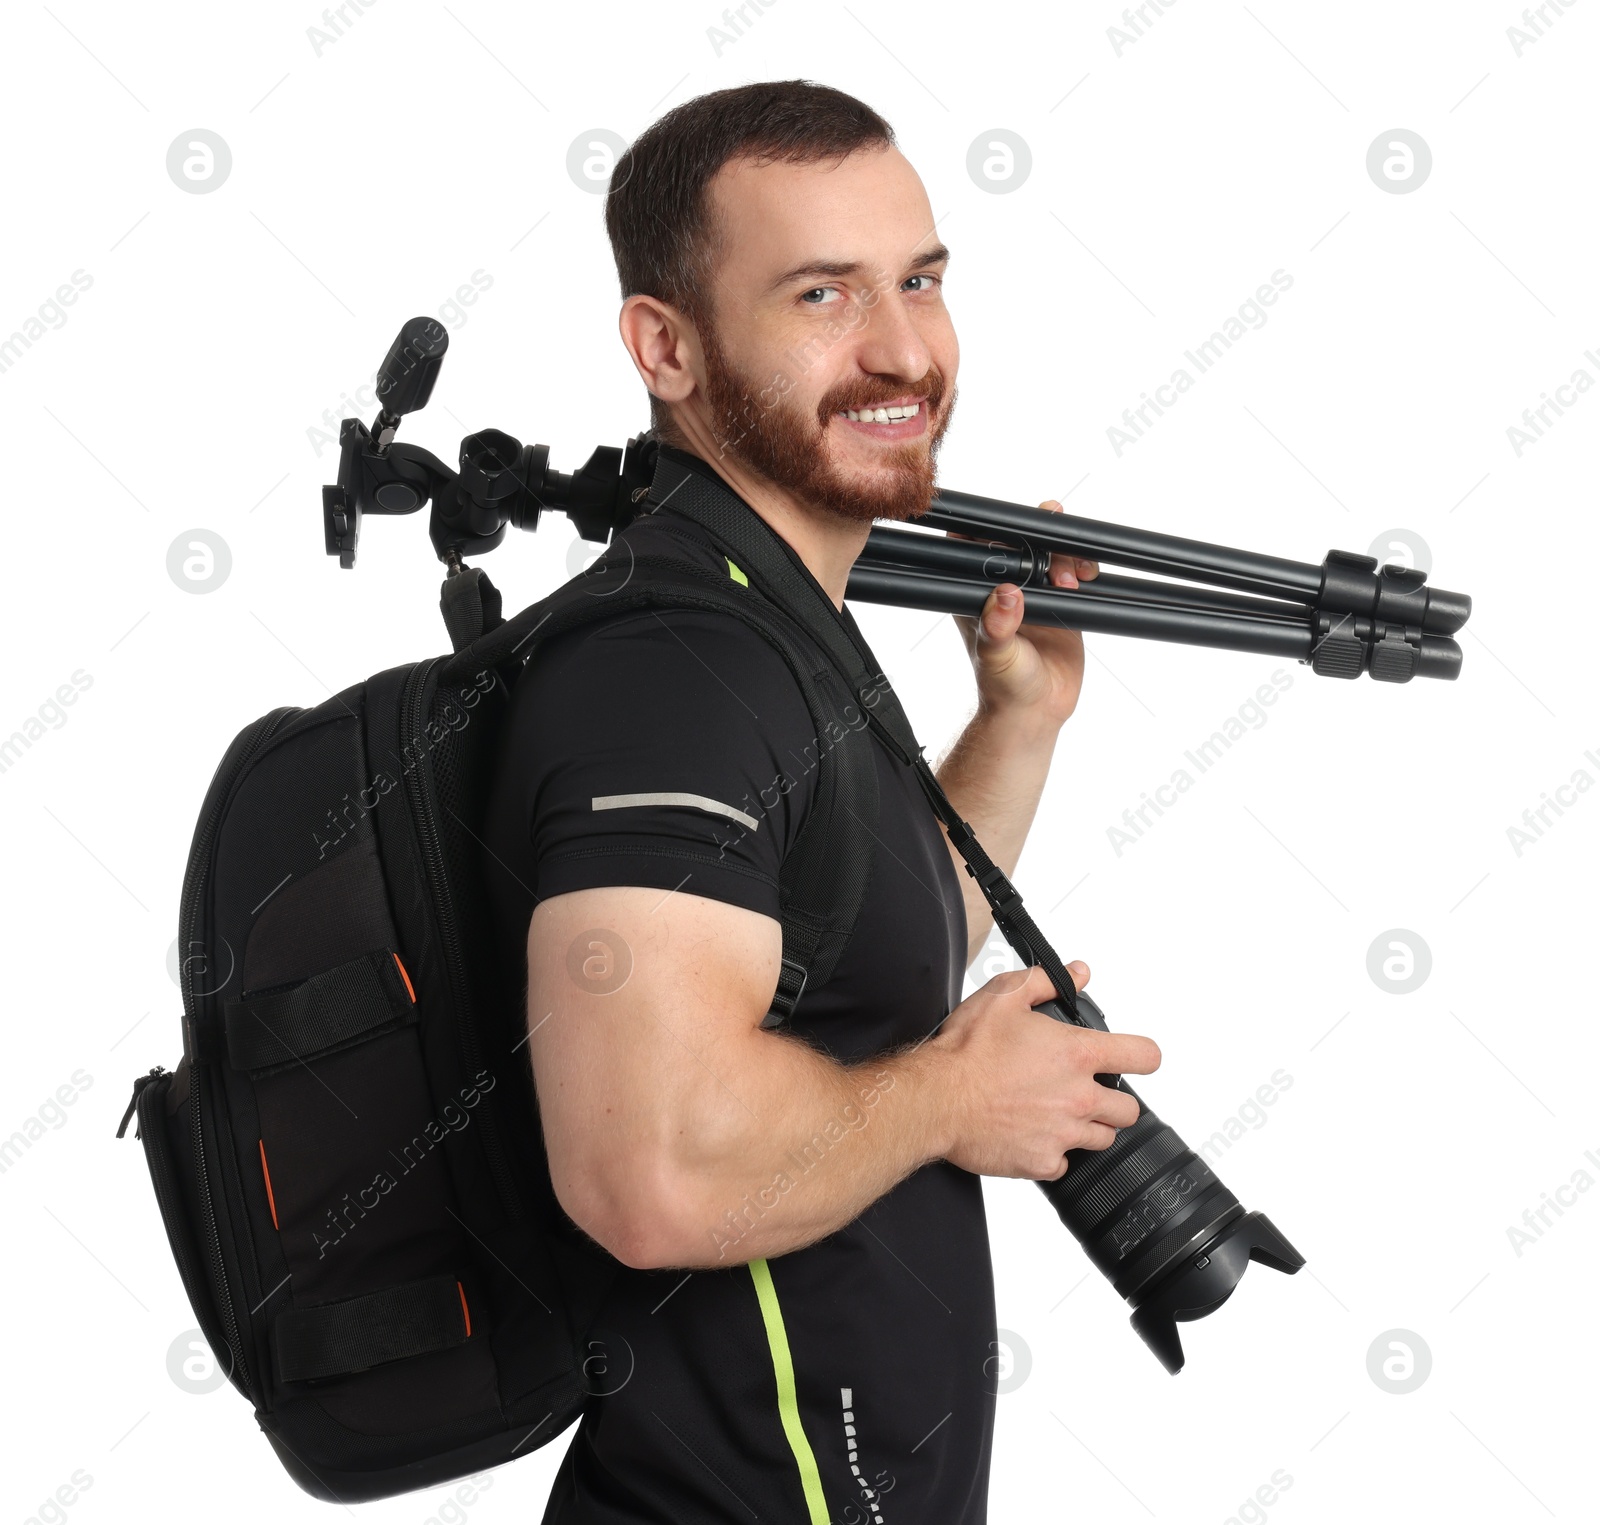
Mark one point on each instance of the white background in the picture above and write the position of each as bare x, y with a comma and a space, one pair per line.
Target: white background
1171, 175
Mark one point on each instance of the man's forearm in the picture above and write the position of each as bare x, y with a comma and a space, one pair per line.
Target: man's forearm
994, 775
811, 1144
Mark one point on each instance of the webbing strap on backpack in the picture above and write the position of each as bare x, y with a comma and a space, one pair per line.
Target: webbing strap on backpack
769, 561
470, 604
318, 1015
824, 875
335, 1339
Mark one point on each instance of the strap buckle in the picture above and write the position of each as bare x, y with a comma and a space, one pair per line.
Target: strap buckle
998, 890
792, 977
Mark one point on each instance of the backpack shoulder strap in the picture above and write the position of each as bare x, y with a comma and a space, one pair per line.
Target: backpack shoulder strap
823, 880
774, 567
769, 560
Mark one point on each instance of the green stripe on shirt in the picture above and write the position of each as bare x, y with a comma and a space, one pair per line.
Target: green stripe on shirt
788, 1407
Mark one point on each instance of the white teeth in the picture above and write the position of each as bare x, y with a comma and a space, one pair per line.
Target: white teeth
883, 415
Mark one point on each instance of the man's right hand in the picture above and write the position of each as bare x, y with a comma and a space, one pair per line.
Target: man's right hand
1021, 1085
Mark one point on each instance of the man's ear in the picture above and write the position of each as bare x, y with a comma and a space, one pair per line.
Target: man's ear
664, 347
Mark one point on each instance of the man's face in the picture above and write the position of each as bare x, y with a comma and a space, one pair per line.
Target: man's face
827, 307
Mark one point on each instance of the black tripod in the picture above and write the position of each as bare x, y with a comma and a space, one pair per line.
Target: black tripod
1345, 617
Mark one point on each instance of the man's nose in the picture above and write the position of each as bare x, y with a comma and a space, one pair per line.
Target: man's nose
891, 344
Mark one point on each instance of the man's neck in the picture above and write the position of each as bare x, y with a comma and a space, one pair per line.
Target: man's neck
826, 543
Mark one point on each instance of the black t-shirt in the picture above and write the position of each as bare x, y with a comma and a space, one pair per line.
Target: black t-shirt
850, 1382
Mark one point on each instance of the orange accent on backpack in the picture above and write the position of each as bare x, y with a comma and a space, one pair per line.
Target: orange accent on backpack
406, 977
265, 1176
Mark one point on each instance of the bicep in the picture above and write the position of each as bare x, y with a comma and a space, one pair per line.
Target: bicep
642, 1005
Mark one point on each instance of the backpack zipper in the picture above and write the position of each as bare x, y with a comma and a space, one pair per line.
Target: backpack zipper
138, 1089
213, 1239
174, 1214
414, 709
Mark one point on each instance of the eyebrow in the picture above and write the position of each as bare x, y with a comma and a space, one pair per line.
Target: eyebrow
835, 269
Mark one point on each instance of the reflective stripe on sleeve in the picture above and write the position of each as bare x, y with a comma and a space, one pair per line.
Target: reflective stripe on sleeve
694, 801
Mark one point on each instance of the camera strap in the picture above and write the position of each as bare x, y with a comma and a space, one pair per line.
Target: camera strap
1005, 903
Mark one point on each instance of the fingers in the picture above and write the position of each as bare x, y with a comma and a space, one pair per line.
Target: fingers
1126, 1054
1034, 984
1002, 613
1063, 571
1077, 969
1029, 986
1067, 571
1097, 1136
1116, 1109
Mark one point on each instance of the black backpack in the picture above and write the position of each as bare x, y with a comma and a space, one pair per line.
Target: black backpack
348, 1160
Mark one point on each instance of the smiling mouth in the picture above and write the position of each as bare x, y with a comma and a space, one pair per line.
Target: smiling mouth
890, 422
891, 414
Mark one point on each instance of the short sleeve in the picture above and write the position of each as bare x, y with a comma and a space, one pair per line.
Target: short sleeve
670, 749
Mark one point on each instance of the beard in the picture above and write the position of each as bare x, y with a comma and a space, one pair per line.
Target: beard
787, 443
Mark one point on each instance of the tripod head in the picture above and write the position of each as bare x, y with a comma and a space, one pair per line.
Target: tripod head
1343, 617
500, 480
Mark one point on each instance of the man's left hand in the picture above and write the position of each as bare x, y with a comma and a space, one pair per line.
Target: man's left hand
1036, 674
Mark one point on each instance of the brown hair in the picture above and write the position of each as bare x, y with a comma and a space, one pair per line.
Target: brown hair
658, 216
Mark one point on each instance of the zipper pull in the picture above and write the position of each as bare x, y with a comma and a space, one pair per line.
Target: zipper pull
138, 1089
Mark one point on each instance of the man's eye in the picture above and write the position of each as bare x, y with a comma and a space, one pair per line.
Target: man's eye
931, 282
820, 296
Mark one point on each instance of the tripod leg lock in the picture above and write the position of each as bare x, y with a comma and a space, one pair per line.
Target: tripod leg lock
1348, 645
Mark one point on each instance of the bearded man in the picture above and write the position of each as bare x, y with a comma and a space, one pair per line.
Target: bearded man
799, 1320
